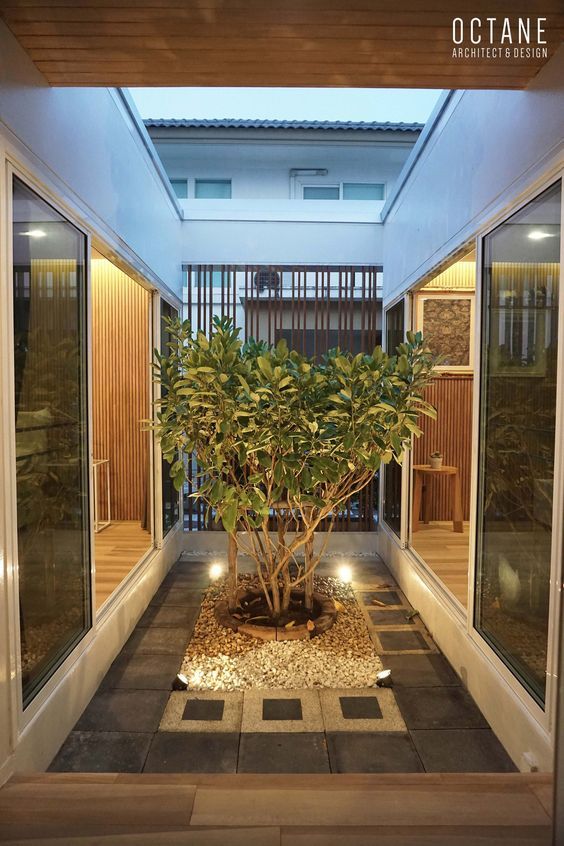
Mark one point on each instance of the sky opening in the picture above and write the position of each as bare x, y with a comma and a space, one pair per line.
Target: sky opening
355, 104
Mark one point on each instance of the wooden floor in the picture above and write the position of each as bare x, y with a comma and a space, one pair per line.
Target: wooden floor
419, 809
118, 548
446, 553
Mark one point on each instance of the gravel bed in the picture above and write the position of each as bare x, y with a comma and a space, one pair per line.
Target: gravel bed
344, 656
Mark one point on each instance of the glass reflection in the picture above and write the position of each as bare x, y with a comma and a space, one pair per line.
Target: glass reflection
519, 364
51, 437
392, 473
171, 508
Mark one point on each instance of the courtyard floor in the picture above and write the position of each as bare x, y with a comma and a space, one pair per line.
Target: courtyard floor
427, 722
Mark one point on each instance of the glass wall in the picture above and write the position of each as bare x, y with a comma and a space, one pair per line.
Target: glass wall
171, 507
519, 363
392, 473
50, 385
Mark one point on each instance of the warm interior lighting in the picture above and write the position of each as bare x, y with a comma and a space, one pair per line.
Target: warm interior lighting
216, 571
34, 233
345, 573
539, 235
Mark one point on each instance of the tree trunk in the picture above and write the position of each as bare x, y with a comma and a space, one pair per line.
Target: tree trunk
232, 571
308, 581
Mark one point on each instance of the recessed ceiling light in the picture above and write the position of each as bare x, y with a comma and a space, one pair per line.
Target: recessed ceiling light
539, 235
34, 233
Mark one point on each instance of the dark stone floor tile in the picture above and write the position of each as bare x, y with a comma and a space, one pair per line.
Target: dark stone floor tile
124, 710
438, 708
169, 616
462, 751
204, 709
273, 752
360, 708
402, 640
185, 579
389, 617
420, 670
102, 752
372, 752
157, 641
184, 596
192, 752
282, 709
388, 597
139, 671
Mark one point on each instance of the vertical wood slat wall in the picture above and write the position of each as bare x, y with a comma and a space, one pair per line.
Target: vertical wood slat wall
450, 434
313, 307
120, 387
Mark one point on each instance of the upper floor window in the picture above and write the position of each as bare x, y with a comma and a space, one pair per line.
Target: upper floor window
180, 188
321, 192
213, 189
363, 191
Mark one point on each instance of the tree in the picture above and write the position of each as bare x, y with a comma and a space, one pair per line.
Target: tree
276, 435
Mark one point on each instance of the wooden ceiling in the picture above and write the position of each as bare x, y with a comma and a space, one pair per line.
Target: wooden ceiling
313, 43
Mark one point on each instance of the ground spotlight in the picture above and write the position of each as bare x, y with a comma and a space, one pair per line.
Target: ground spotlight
384, 678
216, 571
180, 682
345, 573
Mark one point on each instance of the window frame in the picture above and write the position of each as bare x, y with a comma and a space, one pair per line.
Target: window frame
332, 185
546, 709
213, 181
22, 717
363, 199
176, 181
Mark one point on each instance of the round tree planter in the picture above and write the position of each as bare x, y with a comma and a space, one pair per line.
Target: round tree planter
324, 609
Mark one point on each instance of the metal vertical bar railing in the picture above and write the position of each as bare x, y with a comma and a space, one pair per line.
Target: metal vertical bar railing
314, 307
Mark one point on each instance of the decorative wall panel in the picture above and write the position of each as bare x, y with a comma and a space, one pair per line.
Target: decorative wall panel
450, 434
120, 383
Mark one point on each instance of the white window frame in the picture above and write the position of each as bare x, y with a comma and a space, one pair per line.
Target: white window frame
544, 717
217, 180
337, 185
355, 182
186, 181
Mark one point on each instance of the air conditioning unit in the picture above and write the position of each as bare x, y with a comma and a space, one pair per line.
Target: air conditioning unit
267, 280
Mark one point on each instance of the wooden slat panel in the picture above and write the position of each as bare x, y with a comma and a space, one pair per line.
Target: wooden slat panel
450, 434
460, 276
319, 42
120, 385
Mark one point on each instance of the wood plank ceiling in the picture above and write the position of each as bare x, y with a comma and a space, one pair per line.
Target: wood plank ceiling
318, 43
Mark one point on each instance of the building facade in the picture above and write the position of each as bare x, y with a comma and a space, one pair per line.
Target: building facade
96, 244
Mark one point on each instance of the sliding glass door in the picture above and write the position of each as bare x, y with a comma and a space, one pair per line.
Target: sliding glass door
392, 472
170, 496
519, 371
50, 387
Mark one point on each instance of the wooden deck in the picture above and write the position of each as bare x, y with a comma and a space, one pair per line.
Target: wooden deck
118, 548
446, 553
277, 810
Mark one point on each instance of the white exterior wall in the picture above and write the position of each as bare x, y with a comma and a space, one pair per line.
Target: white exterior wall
258, 162
81, 151
281, 242
488, 152
86, 147
487, 148
266, 220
